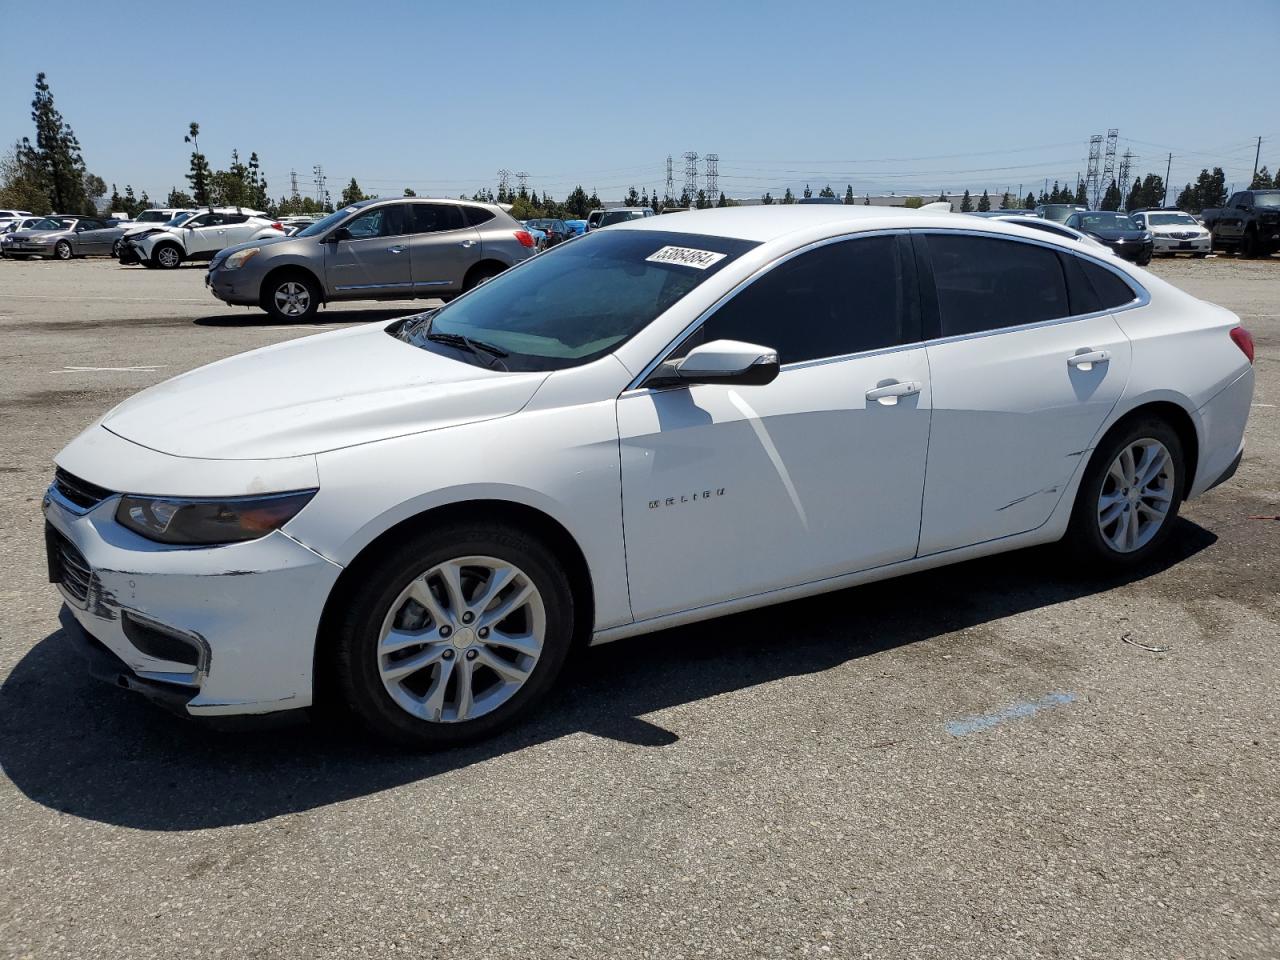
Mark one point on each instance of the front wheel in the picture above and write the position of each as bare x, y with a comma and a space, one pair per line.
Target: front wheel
116, 248
290, 298
167, 256
62, 250
454, 635
1130, 495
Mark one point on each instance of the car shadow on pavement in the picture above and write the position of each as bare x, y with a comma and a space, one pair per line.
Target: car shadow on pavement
89, 750
253, 317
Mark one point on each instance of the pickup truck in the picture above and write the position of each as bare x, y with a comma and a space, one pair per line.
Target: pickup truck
1248, 224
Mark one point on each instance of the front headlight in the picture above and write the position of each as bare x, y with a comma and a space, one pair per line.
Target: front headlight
208, 522
240, 258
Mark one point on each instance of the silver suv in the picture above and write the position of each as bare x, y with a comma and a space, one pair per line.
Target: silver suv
373, 250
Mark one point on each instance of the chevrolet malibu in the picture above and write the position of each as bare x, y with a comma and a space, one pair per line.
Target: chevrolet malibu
659, 423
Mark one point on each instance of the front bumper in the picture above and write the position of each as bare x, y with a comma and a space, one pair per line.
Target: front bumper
235, 287
246, 615
1179, 245
1132, 250
129, 253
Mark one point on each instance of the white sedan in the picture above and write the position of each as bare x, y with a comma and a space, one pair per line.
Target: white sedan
659, 423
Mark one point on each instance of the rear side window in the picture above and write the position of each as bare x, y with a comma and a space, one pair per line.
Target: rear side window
984, 283
477, 215
1111, 290
436, 217
839, 299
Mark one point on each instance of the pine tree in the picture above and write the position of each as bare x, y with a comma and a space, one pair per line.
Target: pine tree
595, 199
1111, 199
702, 203
116, 202
1030, 202
942, 196
767, 199
131, 202
632, 199
848, 195
1080, 198
56, 154
1134, 200
807, 192
827, 192
966, 204
984, 202
199, 176
1262, 180
722, 202
352, 193
1006, 201
179, 200
410, 192
788, 197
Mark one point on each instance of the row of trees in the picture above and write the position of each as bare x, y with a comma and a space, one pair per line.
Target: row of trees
49, 175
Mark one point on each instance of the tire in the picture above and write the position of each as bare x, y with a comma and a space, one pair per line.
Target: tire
1143, 261
290, 298
167, 256
115, 249
62, 250
1248, 248
479, 275
425, 707
1108, 544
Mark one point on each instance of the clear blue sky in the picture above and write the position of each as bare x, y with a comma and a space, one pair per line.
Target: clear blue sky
907, 96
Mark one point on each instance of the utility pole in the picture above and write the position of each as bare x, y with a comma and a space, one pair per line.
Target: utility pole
523, 177
293, 186
318, 172
1168, 168
504, 184
1257, 155
671, 180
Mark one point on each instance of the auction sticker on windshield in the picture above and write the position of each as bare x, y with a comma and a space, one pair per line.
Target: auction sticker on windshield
686, 257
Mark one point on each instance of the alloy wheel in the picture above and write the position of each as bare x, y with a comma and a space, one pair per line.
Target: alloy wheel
1137, 492
461, 639
292, 299
63, 250
168, 257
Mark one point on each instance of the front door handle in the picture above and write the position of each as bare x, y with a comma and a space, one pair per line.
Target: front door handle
467, 243
396, 249
1085, 361
888, 394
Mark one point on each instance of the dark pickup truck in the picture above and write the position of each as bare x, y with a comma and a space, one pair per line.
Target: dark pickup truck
1248, 224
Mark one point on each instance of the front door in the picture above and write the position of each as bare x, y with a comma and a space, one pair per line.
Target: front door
373, 257
730, 491
442, 249
1024, 373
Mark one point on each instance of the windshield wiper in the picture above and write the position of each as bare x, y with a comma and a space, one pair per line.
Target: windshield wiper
476, 347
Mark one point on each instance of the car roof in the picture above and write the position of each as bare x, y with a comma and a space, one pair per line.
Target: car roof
772, 221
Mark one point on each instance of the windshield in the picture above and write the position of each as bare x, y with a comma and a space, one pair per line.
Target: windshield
332, 220
620, 216
180, 219
580, 300
1271, 199
1165, 219
45, 224
1107, 221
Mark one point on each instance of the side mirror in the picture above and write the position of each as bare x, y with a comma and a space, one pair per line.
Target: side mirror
342, 233
721, 361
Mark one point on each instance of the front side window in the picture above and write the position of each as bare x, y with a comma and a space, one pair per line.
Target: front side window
841, 298
580, 300
388, 221
436, 217
984, 283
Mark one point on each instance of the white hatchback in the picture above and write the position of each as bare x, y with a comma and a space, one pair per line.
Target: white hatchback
658, 423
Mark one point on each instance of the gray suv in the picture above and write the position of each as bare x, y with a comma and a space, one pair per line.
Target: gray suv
373, 250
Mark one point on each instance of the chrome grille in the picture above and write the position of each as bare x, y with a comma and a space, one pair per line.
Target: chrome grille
1182, 234
73, 570
82, 493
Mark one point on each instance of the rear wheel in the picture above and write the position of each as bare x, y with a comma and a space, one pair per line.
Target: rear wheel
167, 256
62, 250
454, 635
1130, 495
290, 298
1249, 245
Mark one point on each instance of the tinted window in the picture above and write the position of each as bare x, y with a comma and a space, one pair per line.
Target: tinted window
1111, 290
385, 221
435, 217
987, 284
235, 218
838, 299
477, 215
1084, 299
580, 300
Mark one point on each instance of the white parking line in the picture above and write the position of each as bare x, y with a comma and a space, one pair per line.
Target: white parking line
108, 369
31, 296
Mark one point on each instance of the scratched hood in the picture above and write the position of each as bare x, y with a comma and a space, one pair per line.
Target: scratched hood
314, 394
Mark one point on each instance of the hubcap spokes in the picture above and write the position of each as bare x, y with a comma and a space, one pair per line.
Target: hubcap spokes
292, 299
1136, 495
461, 639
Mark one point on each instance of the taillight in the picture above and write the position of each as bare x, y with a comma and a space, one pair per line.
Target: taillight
525, 238
1244, 340
277, 226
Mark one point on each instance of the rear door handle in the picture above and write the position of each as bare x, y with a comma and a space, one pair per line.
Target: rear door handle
396, 249
888, 394
1085, 361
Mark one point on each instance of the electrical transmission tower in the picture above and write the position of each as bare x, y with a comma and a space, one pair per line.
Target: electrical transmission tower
1093, 195
671, 180
524, 181
1109, 159
1126, 168
293, 186
318, 174
691, 175
504, 183
713, 175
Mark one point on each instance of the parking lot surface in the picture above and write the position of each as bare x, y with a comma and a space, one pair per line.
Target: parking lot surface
1000, 759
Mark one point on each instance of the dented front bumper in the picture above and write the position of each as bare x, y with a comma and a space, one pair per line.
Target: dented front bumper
218, 631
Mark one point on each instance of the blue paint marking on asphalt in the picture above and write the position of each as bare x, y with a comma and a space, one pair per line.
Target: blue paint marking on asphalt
1023, 708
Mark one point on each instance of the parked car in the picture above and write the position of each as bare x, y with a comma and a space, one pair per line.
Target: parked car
64, 237
1124, 236
556, 230
608, 218
660, 423
14, 214
1000, 214
539, 237
1032, 222
294, 225
199, 237
1173, 232
820, 200
1248, 224
373, 250
158, 215
129, 253
579, 227
1058, 212
13, 224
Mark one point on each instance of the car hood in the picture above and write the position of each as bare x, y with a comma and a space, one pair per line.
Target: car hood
318, 393
29, 234
260, 242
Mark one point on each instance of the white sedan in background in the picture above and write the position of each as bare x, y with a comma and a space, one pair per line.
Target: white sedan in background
1174, 232
662, 422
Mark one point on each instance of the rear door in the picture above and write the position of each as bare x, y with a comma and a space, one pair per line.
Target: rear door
93, 237
730, 491
205, 235
374, 259
443, 247
1025, 367
240, 227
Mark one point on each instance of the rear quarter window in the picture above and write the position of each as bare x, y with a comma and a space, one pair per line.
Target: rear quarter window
477, 215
